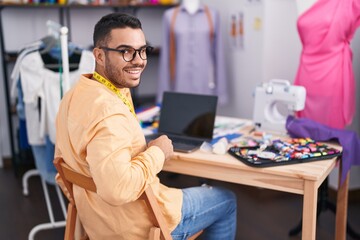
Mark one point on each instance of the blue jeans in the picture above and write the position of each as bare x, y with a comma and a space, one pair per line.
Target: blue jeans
211, 209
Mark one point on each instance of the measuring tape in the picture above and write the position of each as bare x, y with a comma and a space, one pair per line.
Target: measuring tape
114, 89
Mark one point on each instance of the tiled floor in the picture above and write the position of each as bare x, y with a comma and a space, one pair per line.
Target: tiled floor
262, 214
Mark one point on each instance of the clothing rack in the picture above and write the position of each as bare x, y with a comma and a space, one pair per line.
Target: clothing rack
65, 58
57, 31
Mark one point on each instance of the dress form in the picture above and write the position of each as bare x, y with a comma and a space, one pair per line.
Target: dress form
323, 66
192, 56
304, 5
191, 5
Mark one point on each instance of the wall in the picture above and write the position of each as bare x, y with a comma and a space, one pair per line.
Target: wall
243, 62
270, 44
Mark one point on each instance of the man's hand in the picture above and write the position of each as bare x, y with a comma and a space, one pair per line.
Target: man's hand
165, 144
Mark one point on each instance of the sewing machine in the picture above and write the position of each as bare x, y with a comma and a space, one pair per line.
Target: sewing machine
274, 101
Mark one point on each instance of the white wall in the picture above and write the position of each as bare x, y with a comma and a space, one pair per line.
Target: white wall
243, 63
82, 22
271, 48
282, 45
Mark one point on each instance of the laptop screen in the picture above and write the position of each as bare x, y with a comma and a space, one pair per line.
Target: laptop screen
187, 114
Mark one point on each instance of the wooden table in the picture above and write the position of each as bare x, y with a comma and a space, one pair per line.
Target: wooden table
303, 179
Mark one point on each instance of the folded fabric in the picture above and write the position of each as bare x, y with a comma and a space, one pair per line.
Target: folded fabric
349, 140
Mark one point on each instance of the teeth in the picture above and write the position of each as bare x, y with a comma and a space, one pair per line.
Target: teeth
133, 71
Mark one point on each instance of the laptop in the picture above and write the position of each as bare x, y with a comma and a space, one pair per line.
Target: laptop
187, 119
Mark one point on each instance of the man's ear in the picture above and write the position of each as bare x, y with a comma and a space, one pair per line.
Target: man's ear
99, 56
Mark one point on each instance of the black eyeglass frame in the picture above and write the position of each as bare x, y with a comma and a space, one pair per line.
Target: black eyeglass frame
148, 50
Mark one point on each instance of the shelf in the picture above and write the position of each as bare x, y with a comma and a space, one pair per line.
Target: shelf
119, 5
10, 56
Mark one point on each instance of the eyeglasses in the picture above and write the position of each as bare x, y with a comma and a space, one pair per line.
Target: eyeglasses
129, 53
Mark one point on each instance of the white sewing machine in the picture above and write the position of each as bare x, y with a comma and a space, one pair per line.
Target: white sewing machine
274, 101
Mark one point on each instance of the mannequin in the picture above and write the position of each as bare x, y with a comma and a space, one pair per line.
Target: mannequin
191, 5
325, 67
304, 5
192, 55
326, 29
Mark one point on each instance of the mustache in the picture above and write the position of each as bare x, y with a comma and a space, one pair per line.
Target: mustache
135, 66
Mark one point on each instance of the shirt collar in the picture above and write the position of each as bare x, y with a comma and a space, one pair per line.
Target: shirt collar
200, 9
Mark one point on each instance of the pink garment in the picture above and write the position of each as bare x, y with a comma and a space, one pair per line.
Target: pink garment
325, 69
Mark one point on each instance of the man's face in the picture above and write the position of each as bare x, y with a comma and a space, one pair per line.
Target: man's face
120, 72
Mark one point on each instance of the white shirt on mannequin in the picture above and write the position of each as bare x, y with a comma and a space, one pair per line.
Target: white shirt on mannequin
303, 5
191, 5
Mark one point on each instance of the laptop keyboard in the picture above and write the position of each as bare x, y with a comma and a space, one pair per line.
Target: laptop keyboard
178, 140
180, 144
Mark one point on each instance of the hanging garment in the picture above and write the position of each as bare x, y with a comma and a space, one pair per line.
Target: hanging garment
42, 93
44, 156
199, 58
23, 142
349, 140
35, 46
15, 74
325, 69
43, 151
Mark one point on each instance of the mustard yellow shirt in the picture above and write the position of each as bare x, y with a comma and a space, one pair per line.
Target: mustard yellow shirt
98, 136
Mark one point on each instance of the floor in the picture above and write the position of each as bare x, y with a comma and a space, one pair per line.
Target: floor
262, 214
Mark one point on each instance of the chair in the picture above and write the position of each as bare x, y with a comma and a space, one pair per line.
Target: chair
70, 177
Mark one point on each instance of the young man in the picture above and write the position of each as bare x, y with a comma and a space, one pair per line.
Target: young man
98, 135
